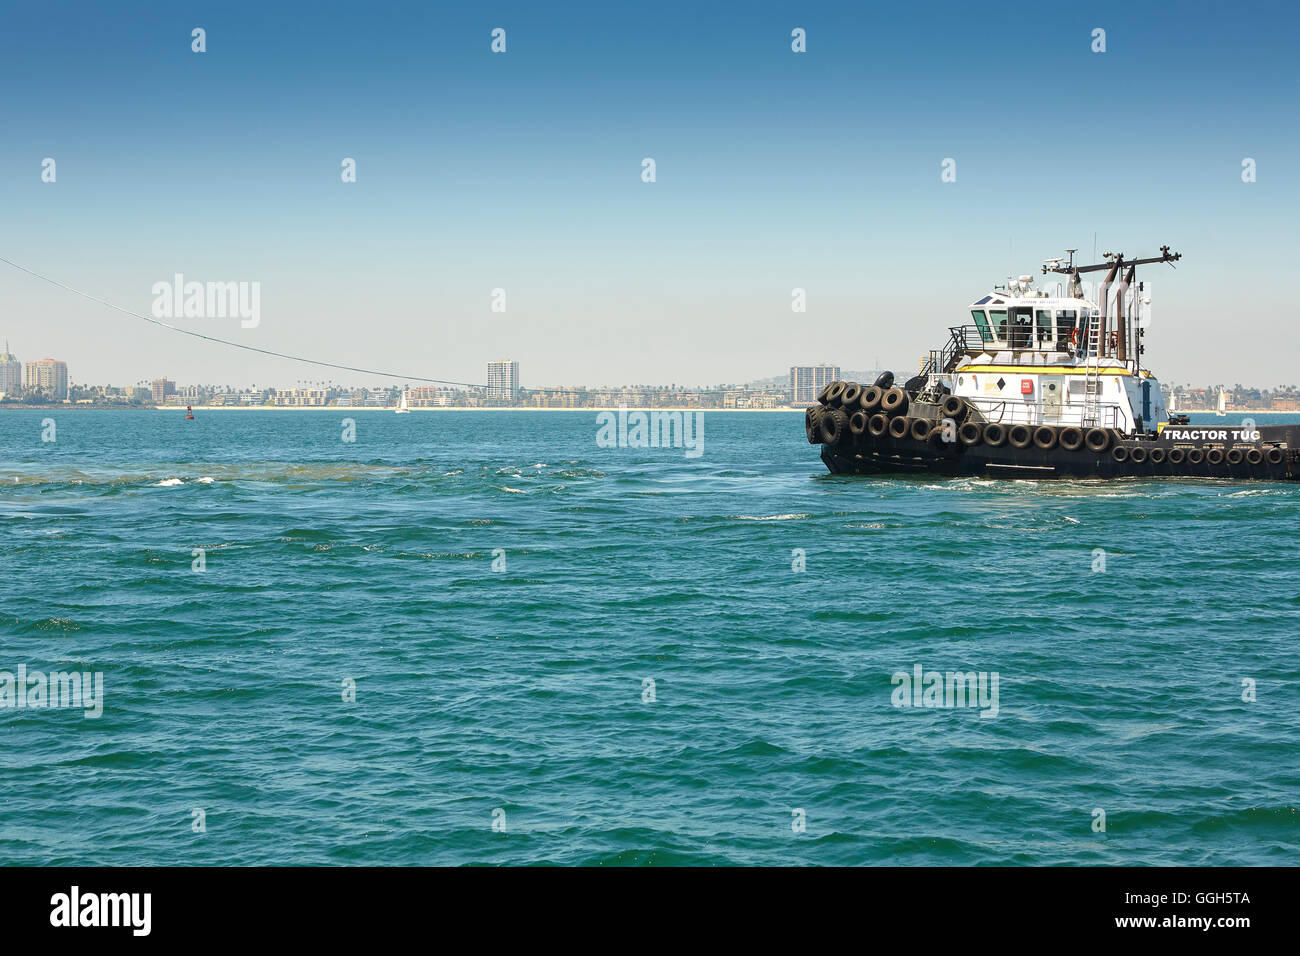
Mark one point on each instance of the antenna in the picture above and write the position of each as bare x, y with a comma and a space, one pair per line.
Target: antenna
1113, 257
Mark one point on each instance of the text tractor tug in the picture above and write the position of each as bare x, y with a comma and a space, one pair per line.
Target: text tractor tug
1041, 386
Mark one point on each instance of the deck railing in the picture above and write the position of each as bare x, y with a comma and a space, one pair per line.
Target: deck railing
971, 340
1011, 411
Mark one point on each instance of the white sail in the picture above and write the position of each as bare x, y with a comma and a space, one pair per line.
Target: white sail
1223, 402
402, 408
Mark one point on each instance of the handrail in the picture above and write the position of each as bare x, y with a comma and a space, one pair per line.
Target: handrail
971, 340
1000, 406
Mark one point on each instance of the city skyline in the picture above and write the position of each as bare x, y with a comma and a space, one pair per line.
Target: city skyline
499, 205
47, 381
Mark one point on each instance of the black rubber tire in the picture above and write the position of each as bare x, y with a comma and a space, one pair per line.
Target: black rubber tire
1137, 455
1235, 456
849, 397
970, 433
858, 423
812, 420
884, 380
994, 434
1119, 453
953, 407
1071, 438
1275, 456
1214, 456
1097, 439
1177, 456
936, 443
1254, 456
1045, 437
920, 428
1157, 456
1020, 436
877, 425
821, 396
1195, 456
833, 392
898, 426
869, 400
894, 401
834, 426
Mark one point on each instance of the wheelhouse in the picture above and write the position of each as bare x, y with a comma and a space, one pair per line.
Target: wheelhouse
1046, 325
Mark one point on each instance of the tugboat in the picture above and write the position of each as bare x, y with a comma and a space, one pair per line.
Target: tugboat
1041, 386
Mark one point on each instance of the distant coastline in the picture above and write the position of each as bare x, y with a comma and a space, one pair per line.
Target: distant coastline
789, 409
389, 409
457, 408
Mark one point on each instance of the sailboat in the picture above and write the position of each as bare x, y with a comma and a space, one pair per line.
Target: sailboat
402, 409
1223, 403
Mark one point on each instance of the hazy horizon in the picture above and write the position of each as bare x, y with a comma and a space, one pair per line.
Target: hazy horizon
522, 171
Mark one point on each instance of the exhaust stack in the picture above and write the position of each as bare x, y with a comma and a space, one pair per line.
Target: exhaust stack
1103, 327
1121, 317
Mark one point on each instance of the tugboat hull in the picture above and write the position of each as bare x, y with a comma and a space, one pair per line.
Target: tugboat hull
1176, 453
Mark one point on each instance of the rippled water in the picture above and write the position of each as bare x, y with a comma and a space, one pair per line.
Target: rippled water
522, 696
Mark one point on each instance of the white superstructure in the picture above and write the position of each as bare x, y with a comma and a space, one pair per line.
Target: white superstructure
1056, 359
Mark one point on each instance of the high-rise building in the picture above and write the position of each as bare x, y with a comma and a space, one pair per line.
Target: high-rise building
11, 373
503, 380
47, 376
161, 389
806, 381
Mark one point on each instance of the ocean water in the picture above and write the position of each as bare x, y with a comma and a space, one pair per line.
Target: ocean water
674, 661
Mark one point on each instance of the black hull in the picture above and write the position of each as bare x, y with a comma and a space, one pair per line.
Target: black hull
886, 455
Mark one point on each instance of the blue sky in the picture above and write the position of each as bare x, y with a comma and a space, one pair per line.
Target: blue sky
522, 171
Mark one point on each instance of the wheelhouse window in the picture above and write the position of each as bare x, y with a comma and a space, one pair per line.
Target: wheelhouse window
982, 323
1044, 318
1065, 324
1022, 327
998, 320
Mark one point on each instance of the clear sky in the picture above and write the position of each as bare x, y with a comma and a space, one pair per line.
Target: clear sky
522, 171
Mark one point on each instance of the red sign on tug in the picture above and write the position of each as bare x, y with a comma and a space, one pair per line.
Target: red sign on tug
1026, 386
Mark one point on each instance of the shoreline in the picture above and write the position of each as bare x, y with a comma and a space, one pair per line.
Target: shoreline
520, 408
456, 408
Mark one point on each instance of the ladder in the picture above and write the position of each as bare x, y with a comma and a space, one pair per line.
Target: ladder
1092, 373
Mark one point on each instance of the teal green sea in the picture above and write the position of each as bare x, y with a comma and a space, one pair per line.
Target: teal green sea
564, 653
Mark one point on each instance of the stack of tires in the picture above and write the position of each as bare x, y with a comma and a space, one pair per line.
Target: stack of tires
1042, 437
848, 411
1221, 461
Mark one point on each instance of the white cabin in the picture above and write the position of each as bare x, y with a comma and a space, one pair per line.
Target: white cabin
1033, 358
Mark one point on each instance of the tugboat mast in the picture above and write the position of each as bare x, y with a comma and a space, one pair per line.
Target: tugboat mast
1113, 258
1114, 264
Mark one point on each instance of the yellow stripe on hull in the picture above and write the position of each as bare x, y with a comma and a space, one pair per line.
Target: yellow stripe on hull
1038, 370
